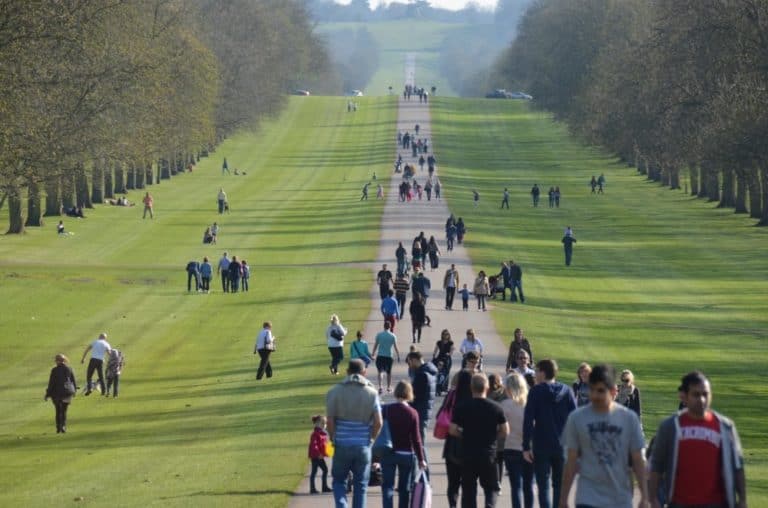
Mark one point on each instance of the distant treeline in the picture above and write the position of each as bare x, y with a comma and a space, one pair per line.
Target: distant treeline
355, 57
677, 88
100, 97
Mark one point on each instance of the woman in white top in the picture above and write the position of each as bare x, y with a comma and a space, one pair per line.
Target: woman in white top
335, 336
519, 470
471, 343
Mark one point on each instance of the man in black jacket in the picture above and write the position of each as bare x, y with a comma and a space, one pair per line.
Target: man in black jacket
424, 384
516, 280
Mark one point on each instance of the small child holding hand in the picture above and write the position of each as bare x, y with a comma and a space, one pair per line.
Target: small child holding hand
465, 292
318, 450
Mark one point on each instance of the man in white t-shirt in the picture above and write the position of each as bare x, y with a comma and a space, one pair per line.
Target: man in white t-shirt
265, 345
605, 445
99, 348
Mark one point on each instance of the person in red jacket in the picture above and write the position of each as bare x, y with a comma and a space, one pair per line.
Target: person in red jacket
318, 443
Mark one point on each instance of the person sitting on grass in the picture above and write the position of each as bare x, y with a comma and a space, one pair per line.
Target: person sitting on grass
207, 236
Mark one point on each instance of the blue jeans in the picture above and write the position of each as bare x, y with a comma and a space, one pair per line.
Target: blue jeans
520, 474
356, 459
405, 464
546, 466
519, 285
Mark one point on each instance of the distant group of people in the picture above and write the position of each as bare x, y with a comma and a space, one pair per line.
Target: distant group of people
420, 92
211, 233
235, 274
597, 184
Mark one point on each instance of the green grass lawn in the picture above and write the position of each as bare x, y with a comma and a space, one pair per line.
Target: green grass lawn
659, 289
192, 426
661, 283
398, 38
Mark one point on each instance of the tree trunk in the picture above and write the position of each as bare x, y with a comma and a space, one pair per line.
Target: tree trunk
654, 172
693, 176
97, 182
174, 165
703, 180
165, 169
727, 195
740, 201
15, 218
140, 173
52, 197
642, 166
764, 193
81, 186
130, 176
158, 171
755, 201
709, 181
674, 177
68, 190
108, 189
34, 205
119, 178
148, 174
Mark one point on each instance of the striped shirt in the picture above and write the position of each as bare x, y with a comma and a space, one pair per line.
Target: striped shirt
352, 433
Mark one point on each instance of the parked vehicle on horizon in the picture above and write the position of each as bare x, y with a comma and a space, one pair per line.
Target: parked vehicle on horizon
300, 92
354, 93
501, 93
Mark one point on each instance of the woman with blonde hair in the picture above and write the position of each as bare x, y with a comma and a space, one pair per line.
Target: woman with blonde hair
581, 385
334, 335
628, 394
407, 447
519, 470
61, 388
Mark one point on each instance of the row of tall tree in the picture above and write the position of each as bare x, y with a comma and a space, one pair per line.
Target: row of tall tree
677, 88
97, 97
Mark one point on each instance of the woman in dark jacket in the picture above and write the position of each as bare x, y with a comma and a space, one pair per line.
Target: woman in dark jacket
418, 317
460, 393
61, 388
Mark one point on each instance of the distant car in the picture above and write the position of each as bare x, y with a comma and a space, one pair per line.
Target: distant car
354, 93
500, 93
300, 92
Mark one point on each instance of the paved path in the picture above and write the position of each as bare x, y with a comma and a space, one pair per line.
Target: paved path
402, 222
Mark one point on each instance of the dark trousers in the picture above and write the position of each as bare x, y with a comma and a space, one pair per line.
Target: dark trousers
548, 466
245, 284
416, 331
520, 473
449, 243
337, 355
453, 472
113, 381
323, 467
384, 291
225, 282
480, 302
221, 206
517, 284
61, 414
234, 284
206, 283
481, 468
449, 294
190, 277
264, 365
401, 303
568, 255
98, 366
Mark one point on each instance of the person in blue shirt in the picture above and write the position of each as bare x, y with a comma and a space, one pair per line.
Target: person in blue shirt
386, 341
390, 309
206, 272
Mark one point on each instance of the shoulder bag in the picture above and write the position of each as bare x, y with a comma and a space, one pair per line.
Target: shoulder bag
383, 445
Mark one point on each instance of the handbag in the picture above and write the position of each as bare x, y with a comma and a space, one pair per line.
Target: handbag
443, 421
69, 387
336, 334
383, 445
421, 497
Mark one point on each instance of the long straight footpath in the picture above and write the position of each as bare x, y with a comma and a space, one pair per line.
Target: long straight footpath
403, 222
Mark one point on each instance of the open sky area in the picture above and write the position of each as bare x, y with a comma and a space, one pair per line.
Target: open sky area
453, 5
